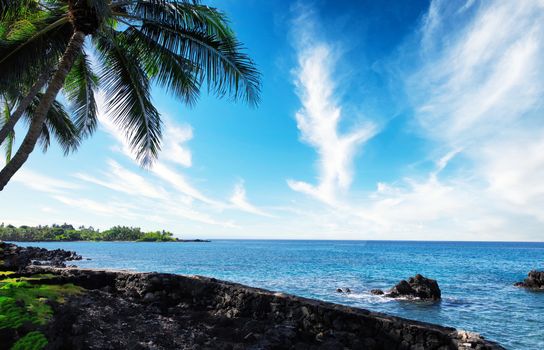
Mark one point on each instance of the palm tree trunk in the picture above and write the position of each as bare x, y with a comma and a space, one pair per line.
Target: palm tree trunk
57, 81
14, 118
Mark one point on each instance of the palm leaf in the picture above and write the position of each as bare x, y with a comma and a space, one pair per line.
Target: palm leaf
227, 70
167, 69
128, 96
188, 14
79, 89
11, 136
30, 46
61, 126
10, 9
201, 35
58, 124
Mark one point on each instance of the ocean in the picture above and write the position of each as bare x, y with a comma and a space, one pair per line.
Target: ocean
476, 278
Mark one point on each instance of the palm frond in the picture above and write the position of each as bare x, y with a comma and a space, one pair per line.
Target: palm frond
58, 124
45, 138
11, 136
128, 96
61, 126
186, 14
226, 69
167, 69
10, 9
31, 48
202, 35
79, 89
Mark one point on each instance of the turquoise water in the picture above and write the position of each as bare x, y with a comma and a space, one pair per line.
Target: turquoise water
476, 278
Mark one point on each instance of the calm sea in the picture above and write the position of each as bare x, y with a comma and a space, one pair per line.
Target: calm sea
476, 278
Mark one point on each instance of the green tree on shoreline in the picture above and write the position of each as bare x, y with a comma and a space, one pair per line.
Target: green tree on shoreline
67, 233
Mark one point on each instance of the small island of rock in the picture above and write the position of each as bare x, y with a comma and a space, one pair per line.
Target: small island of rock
534, 280
417, 287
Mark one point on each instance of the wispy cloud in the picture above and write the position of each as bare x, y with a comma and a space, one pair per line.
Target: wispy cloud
174, 148
123, 180
43, 183
180, 183
483, 93
116, 209
240, 201
165, 193
175, 151
318, 119
476, 93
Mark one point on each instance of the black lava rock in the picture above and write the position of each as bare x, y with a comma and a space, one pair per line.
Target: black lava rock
535, 280
17, 258
417, 287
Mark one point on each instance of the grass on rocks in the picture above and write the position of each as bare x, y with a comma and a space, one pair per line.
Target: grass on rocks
31, 341
24, 301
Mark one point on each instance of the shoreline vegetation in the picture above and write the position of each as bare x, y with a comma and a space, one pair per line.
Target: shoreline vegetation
68, 233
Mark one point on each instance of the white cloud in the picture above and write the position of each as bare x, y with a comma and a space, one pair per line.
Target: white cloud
175, 152
174, 137
477, 93
240, 201
161, 194
180, 183
318, 119
173, 148
43, 183
115, 209
483, 93
123, 180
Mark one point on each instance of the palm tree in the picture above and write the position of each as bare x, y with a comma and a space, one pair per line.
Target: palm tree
18, 20
179, 45
57, 123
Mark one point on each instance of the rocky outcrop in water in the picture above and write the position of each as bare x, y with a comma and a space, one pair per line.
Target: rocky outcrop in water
535, 280
417, 287
127, 310
17, 258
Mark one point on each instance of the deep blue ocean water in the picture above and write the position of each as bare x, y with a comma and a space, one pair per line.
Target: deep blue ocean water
476, 278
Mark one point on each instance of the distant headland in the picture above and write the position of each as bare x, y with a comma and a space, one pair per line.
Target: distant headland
68, 233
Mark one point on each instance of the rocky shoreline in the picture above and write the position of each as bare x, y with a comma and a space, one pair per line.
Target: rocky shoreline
106, 309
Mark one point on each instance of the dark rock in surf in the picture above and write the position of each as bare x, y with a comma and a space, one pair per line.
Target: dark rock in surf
377, 292
417, 287
535, 280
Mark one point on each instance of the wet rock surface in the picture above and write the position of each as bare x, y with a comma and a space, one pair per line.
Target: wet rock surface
126, 310
17, 258
534, 280
377, 292
417, 287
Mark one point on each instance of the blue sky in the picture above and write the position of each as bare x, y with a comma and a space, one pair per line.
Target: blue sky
411, 120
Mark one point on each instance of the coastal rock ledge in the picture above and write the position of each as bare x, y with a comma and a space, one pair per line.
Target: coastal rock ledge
16, 258
128, 310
